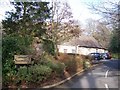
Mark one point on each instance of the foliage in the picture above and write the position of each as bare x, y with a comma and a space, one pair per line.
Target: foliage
116, 55
99, 31
58, 30
111, 16
114, 46
56, 66
60, 67
86, 64
49, 47
22, 73
27, 19
15, 45
9, 72
11, 45
71, 65
39, 72
72, 62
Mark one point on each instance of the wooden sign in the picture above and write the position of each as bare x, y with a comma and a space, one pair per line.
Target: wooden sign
22, 59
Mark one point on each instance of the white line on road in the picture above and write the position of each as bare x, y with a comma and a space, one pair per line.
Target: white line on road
106, 86
106, 74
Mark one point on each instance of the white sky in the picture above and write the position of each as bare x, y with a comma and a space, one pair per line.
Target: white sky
79, 9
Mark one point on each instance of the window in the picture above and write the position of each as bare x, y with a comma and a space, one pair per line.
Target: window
65, 50
73, 50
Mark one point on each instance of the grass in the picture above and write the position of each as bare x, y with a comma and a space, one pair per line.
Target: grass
116, 55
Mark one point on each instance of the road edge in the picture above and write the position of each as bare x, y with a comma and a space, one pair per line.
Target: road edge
63, 81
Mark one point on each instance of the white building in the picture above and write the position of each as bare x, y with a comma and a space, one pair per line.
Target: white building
82, 45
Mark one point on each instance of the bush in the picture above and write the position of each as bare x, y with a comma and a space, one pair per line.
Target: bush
86, 64
60, 67
56, 66
72, 62
116, 55
9, 72
49, 46
22, 73
71, 66
39, 72
12, 45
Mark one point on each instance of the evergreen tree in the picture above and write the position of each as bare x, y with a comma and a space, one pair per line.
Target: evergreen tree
27, 19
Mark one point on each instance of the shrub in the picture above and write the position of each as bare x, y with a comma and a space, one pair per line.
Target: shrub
22, 73
71, 66
60, 67
56, 66
40, 72
49, 46
9, 72
12, 45
86, 64
72, 62
116, 55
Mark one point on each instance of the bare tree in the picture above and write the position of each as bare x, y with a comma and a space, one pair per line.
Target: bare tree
110, 10
99, 31
61, 26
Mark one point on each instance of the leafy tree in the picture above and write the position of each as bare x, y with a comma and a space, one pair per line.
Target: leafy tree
115, 42
21, 25
48, 46
27, 19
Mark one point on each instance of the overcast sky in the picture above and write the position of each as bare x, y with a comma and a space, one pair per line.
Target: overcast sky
79, 9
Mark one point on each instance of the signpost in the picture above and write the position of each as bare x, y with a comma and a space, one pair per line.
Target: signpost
22, 59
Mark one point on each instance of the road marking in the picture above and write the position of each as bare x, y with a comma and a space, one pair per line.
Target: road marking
106, 74
106, 86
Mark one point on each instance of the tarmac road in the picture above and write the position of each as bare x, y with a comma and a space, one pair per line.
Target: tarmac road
105, 75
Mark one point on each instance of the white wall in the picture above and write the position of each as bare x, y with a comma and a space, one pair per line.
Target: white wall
101, 50
93, 50
82, 51
86, 51
69, 49
79, 50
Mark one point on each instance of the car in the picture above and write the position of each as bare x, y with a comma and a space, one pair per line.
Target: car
105, 56
95, 57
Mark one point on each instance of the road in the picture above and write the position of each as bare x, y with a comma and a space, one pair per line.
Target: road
105, 75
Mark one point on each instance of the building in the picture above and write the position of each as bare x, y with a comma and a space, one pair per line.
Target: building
82, 45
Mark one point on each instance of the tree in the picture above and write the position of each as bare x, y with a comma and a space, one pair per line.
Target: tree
68, 30
27, 19
99, 31
110, 10
61, 27
21, 25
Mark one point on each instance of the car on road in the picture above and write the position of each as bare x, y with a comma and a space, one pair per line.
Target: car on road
95, 57
105, 56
